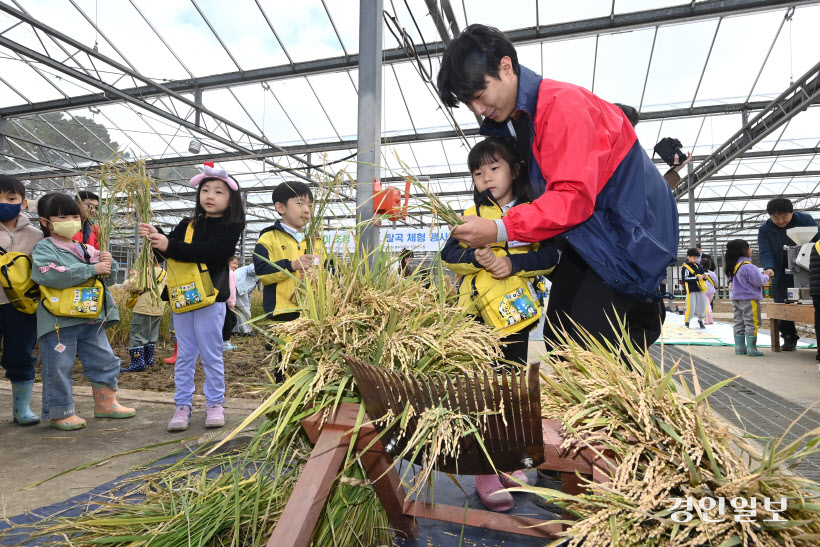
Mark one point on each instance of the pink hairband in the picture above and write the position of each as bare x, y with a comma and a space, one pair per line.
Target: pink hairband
211, 173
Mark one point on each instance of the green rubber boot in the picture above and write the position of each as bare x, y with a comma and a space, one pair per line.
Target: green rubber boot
21, 393
740, 344
751, 347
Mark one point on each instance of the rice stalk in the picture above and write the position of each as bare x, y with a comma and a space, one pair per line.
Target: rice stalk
667, 444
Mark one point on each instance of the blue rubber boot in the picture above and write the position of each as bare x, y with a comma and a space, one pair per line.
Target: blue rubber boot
740, 344
21, 393
149, 354
137, 360
751, 347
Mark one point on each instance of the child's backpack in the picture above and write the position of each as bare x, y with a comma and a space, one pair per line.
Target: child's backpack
134, 296
701, 282
85, 300
189, 283
508, 305
15, 277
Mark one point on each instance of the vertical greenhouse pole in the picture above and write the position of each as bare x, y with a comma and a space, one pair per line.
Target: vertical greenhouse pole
691, 208
369, 126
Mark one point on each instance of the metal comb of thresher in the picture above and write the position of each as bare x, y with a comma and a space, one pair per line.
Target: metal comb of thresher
516, 444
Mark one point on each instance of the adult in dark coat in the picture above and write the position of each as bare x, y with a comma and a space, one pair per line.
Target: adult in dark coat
771, 237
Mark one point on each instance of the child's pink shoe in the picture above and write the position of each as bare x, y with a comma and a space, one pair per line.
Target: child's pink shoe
181, 418
492, 493
514, 479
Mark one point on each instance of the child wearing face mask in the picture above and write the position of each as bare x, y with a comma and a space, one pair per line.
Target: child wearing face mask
203, 244
75, 309
18, 330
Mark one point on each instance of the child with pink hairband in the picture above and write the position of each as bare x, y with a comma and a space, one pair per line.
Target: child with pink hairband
218, 221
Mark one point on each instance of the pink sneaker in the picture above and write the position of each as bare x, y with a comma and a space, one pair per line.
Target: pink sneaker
514, 479
214, 416
181, 419
492, 493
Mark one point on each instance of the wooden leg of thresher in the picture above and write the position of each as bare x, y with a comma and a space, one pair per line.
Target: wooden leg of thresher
299, 518
572, 484
386, 482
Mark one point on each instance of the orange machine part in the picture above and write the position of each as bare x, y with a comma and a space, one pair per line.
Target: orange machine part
388, 201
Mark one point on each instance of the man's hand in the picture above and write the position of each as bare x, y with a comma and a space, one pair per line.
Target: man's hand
475, 232
106, 257
502, 268
769, 272
677, 168
145, 229
158, 241
302, 263
485, 257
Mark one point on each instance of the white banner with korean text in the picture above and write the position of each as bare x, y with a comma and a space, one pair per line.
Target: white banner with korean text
415, 239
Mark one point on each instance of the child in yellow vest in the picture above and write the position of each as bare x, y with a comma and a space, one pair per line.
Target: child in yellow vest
695, 281
497, 280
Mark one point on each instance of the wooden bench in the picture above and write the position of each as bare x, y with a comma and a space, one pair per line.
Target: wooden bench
802, 313
331, 441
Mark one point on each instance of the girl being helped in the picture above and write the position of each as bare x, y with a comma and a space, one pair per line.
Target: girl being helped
209, 239
747, 291
711, 288
496, 280
62, 266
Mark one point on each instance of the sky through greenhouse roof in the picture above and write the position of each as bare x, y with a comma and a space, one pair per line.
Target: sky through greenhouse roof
277, 87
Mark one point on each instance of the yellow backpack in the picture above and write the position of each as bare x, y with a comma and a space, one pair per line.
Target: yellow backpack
85, 300
701, 282
189, 283
15, 278
509, 304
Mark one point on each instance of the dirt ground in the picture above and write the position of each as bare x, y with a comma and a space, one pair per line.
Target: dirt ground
244, 368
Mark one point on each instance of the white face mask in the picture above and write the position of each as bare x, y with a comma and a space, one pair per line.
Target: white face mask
66, 228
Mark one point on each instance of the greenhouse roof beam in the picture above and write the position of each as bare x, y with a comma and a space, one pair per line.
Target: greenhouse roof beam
797, 97
709, 9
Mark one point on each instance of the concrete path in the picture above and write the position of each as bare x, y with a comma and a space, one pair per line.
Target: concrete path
31, 454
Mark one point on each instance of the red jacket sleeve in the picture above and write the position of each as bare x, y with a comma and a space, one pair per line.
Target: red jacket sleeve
579, 142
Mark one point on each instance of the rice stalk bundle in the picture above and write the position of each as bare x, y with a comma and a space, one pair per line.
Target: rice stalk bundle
109, 213
439, 209
668, 444
233, 498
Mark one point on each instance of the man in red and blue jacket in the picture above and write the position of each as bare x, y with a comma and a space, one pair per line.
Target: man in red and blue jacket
601, 198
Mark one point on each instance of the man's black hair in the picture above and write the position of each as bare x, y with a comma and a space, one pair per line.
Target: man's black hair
493, 149
779, 205
10, 185
699, 245
290, 189
83, 195
472, 56
631, 113
234, 214
692, 252
55, 205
